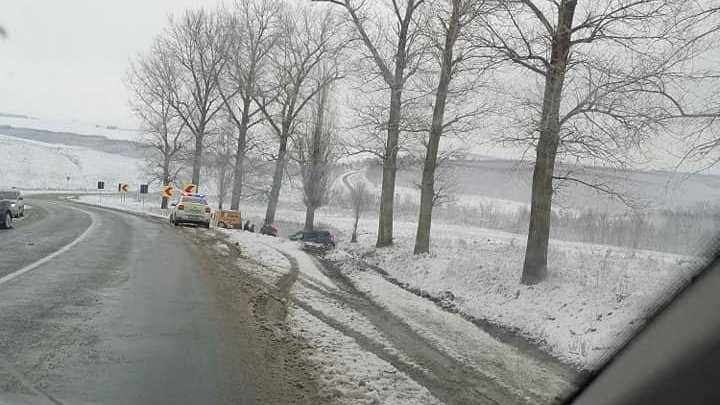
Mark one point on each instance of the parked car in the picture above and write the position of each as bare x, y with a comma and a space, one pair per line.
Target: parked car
269, 229
227, 219
16, 200
322, 237
191, 209
5, 215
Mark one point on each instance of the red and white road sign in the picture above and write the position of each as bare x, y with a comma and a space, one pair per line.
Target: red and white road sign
190, 188
168, 191
124, 188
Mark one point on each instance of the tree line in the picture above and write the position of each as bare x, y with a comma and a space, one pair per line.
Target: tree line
582, 81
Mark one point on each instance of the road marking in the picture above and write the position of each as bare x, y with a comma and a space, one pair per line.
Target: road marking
31, 266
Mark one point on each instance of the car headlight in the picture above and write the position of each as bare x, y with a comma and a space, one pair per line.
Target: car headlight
12, 204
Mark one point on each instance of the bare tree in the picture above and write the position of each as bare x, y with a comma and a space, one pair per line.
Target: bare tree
395, 70
222, 156
150, 81
360, 200
307, 43
196, 43
315, 151
611, 73
454, 53
251, 26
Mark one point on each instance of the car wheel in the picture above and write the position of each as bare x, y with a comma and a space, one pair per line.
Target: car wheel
222, 225
206, 225
22, 213
8, 221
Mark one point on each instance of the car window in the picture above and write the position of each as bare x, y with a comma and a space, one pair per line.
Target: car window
8, 195
194, 200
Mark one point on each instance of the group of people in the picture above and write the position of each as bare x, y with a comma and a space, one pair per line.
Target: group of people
248, 227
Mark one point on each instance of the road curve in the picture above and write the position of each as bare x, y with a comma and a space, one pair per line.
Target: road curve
124, 316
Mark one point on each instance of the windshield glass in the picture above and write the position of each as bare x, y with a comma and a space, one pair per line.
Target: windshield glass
443, 201
194, 200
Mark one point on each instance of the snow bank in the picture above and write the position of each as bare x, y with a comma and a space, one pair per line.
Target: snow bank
595, 298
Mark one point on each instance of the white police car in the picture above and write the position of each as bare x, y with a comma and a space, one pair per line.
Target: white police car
191, 208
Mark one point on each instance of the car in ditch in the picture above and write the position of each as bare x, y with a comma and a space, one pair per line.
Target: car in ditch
324, 238
191, 209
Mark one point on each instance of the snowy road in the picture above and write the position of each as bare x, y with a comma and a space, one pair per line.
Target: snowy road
127, 311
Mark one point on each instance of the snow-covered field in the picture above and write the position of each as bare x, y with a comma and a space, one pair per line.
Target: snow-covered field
71, 127
42, 165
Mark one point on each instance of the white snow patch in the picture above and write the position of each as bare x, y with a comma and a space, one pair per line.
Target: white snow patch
356, 376
43, 165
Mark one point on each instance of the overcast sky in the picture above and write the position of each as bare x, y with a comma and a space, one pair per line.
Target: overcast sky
66, 59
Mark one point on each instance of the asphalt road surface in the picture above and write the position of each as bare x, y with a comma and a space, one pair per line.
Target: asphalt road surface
98, 306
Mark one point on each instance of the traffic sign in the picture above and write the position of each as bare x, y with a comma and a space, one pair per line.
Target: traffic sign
124, 188
190, 188
168, 191
101, 185
143, 189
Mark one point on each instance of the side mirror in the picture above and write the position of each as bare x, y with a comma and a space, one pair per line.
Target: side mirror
173, 204
21, 198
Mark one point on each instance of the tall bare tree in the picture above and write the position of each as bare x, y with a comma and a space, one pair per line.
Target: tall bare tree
150, 81
252, 31
307, 44
454, 53
315, 151
611, 73
395, 67
196, 44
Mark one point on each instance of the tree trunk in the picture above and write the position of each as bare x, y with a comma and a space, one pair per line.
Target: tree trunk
310, 218
277, 178
239, 172
535, 265
165, 181
197, 158
427, 193
355, 226
387, 196
222, 186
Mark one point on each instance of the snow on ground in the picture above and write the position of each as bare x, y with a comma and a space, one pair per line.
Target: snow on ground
73, 127
502, 363
42, 165
596, 296
131, 204
356, 376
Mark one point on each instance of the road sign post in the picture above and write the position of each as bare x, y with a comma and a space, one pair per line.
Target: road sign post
100, 187
123, 188
143, 191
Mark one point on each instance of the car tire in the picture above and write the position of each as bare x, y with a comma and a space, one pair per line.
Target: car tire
7, 224
222, 225
22, 213
206, 225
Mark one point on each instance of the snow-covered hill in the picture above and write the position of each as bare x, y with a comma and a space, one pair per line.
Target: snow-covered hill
71, 127
31, 164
